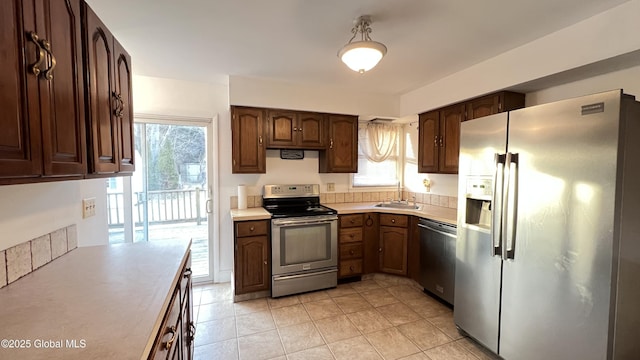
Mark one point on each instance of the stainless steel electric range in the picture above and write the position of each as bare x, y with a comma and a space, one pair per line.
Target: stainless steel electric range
304, 239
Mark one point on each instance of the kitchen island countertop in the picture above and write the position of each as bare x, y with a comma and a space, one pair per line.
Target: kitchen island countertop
99, 302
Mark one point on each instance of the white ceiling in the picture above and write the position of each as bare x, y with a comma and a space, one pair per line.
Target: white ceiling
297, 40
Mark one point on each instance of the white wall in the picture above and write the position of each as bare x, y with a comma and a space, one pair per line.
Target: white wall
603, 36
276, 94
31, 210
627, 79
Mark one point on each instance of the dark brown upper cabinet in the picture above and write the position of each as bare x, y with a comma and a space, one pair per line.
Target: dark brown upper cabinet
109, 110
439, 130
248, 149
295, 130
42, 91
341, 155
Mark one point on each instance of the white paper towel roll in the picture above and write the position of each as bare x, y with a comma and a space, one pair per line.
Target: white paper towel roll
242, 197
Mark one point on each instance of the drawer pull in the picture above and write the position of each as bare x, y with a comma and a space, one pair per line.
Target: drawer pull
352, 221
351, 252
351, 268
265, 262
252, 228
393, 221
174, 334
380, 250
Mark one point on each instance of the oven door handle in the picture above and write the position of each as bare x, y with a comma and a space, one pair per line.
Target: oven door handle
301, 222
297, 276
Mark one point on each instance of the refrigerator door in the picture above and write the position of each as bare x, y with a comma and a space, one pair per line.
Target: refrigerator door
477, 276
556, 289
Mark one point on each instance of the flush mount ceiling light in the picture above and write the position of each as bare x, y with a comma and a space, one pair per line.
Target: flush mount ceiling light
364, 54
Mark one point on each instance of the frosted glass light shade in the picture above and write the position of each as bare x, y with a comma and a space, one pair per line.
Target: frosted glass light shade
362, 56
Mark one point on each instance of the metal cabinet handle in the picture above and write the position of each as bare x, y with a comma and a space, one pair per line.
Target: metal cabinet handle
35, 68
265, 262
252, 228
260, 140
435, 141
393, 221
351, 268
118, 104
351, 252
352, 221
380, 250
330, 143
174, 334
369, 221
441, 141
46, 45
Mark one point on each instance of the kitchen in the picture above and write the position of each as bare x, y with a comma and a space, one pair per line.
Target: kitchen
576, 68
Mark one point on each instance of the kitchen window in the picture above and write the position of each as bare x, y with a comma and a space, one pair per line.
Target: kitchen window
379, 162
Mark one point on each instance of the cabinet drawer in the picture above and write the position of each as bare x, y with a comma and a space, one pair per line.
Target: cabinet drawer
347, 221
350, 267
251, 228
351, 251
394, 220
350, 235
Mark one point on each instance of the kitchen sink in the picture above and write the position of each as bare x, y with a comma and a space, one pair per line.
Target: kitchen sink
398, 205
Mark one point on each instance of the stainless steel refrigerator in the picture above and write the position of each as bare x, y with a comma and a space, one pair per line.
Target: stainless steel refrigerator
548, 251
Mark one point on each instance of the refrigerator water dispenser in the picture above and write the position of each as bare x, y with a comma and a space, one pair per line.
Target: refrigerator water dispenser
478, 201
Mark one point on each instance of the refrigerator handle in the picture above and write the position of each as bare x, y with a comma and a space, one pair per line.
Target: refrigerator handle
497, 204
511, 207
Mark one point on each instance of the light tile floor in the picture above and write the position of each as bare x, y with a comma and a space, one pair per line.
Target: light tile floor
382, 317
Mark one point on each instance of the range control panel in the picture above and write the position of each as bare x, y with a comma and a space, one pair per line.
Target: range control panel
296, 190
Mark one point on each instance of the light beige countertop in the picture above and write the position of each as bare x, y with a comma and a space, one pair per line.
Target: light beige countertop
256, 213
445, 215
110, 300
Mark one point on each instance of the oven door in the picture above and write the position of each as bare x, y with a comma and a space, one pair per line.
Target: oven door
301, 244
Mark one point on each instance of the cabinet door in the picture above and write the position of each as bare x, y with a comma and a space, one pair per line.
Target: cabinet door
342, 154
252, 264
248, 150
20, 148
311, 131
393, 250
484, 106
100, 68
371, 243
282, 129
124, 108
428, 132
62, 90
450, 120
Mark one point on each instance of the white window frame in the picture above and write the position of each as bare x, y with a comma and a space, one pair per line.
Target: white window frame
399, 169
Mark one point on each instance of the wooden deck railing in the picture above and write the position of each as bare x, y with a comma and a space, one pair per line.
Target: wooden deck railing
163, 207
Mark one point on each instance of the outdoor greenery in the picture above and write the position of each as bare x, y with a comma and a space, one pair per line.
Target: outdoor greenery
173, 153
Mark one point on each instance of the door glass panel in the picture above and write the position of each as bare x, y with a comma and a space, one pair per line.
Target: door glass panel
169, 190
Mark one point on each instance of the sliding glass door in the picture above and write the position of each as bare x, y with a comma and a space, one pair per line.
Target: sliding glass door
170, 192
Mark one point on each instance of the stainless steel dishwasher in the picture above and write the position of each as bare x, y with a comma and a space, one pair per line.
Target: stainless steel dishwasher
438, 258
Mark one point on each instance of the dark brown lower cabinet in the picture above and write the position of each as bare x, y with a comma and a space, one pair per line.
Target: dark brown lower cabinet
175, 339
252, 256
393, 244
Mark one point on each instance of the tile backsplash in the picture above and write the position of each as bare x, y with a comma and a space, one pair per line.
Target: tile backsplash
22, 259
367, 196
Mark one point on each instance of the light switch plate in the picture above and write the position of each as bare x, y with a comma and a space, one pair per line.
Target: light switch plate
88, 207
331, 187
